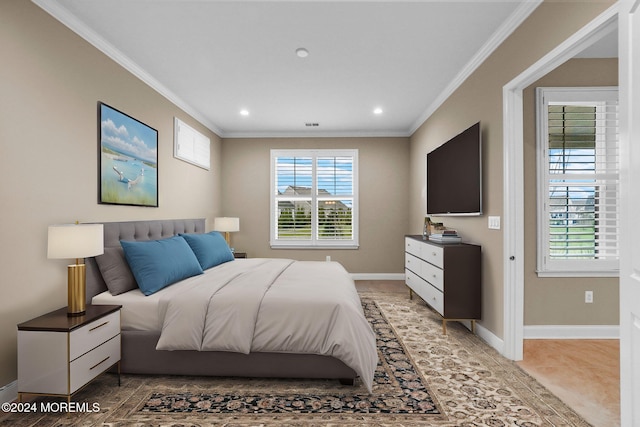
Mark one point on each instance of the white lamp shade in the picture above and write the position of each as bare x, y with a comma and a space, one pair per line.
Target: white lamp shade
227, 224
75, 241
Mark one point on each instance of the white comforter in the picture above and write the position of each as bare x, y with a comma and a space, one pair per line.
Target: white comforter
271, 305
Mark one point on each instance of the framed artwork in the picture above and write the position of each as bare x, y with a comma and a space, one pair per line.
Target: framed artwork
128, 172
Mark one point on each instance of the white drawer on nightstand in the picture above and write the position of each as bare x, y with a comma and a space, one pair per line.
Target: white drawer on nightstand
93, 334
93, 363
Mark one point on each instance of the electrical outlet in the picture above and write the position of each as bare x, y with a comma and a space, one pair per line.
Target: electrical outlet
588, 297
328, 258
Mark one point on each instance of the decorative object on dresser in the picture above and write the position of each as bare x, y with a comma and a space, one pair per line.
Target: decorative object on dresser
446, 276
226, 225
75, 241
445, 235
58, 354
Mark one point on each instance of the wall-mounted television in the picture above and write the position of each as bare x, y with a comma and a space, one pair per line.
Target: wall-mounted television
454, 175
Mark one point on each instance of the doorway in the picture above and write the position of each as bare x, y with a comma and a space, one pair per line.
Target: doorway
513, 266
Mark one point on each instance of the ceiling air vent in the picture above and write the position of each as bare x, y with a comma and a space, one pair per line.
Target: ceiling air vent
312, 125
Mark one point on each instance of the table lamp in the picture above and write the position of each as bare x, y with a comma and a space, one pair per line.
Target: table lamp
226, 225
75, 241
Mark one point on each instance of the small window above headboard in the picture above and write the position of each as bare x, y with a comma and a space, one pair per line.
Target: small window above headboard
190, 145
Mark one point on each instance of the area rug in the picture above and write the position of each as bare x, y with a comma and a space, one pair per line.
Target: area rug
424, 378
398, 388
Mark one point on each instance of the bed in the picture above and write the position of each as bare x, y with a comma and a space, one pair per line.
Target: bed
262, 317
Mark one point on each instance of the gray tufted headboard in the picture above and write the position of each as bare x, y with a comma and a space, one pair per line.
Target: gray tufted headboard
136, 231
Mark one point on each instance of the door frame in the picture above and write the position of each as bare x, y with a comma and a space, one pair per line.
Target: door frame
629, 200
513, 179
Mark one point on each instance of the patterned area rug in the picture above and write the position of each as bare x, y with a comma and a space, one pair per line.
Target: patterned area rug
398, 388
424, 378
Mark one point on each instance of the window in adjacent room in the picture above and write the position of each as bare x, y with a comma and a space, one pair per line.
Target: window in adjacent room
314, 198
578, 181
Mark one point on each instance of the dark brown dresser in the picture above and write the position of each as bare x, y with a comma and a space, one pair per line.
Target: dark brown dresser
447, 276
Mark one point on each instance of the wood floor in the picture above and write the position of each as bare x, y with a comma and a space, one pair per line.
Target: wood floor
585, 374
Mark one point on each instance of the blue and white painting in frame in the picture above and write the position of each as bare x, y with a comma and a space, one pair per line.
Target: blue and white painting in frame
128, 159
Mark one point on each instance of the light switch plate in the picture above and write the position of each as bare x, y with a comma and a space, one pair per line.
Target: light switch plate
494, 222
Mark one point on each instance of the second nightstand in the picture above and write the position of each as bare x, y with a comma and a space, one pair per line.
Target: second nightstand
58, 354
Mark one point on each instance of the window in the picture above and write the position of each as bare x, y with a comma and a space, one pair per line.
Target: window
578, 184
314, 200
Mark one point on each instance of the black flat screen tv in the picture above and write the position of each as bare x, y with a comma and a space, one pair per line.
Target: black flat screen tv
454, 176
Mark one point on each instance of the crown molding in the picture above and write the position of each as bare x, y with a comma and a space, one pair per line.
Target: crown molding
502, 33
316, 134
74, 24
68, 19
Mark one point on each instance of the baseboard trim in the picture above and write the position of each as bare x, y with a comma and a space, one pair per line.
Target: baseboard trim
568, 332
9, 392
490, 338
485, 334
377, 276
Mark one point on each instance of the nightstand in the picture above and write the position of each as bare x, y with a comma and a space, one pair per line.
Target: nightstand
58, 354
240, 255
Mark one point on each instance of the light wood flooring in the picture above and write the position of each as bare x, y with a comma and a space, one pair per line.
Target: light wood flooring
585, 374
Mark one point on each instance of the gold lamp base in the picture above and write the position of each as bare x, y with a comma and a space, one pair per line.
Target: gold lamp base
76, 290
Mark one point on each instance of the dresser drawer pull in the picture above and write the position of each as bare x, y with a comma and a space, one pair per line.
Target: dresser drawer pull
99, 326
99, 363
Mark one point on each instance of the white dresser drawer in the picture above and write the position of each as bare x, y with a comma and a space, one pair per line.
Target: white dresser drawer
413, 246
93, 334
433, 275
413, 281
92, 364
433, 254
433, 297
412, 263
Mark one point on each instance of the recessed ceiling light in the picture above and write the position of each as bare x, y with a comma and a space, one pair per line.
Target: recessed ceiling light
244, 112
302, 52
377, 111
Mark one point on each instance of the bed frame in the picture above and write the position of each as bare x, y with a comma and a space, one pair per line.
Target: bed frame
139, 354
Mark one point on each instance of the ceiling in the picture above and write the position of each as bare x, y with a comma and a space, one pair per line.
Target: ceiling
216, 58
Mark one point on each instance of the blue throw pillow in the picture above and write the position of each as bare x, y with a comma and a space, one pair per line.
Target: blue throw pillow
210, 248
159, 263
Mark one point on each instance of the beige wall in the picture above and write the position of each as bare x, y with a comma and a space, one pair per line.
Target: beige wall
480, 99
50, 83
554, 300
383, 183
